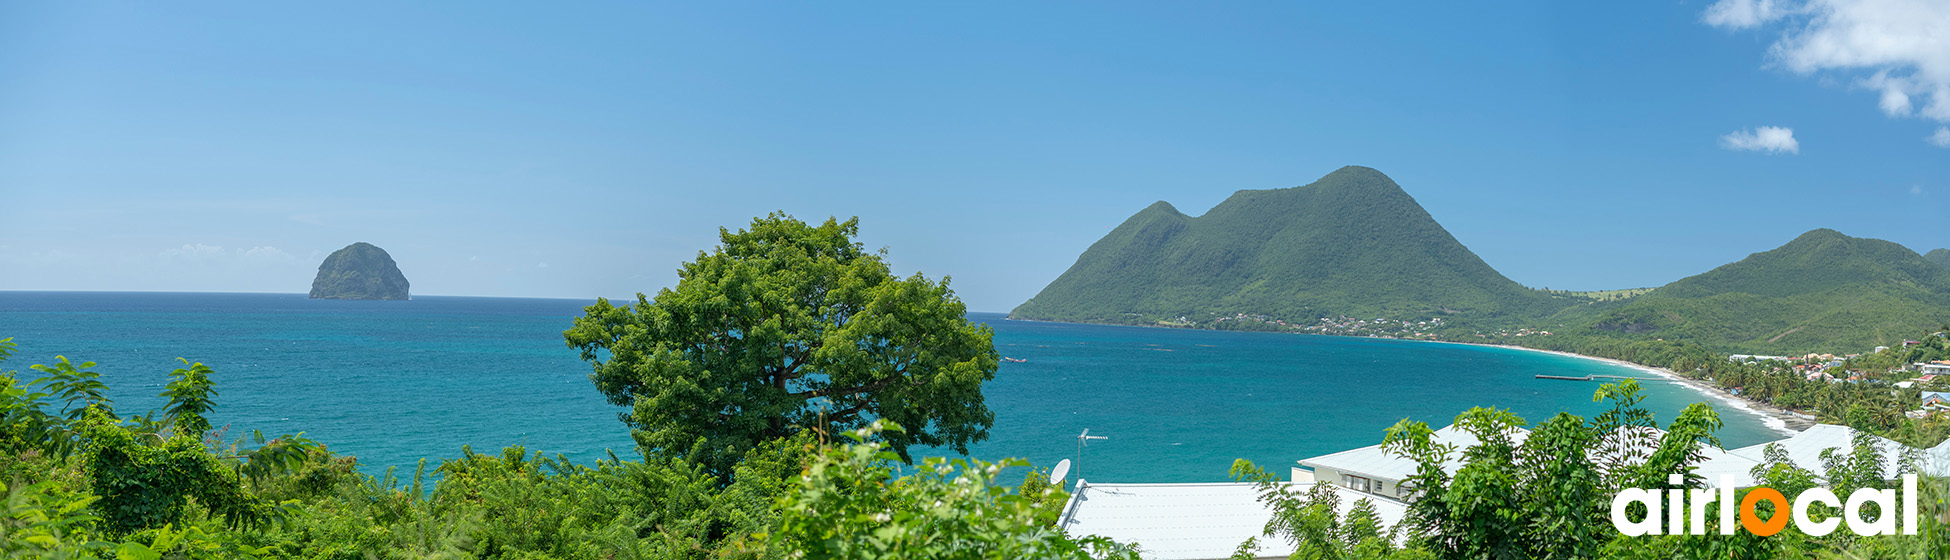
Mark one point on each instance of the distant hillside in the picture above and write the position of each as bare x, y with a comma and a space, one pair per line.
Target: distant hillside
1822, 291
1939, 256
1352, 243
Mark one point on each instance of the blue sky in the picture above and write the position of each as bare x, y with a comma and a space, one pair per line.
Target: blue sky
511, 150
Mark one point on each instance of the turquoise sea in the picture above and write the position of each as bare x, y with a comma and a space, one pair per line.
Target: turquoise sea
392, 382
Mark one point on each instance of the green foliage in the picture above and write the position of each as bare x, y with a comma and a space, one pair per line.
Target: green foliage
146, 486
360, 271
25, 424
76, 387
1309, 521
41, 522
787, 327
848, 504
1548, 496
1048, 498
191, 396
1352, 243
188, 543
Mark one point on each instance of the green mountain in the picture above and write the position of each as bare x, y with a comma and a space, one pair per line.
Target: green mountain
1939, 256
359, 271
1823, 291
1352, 243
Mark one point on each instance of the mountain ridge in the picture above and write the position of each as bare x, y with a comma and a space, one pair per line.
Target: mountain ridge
1355, 244
1351, 243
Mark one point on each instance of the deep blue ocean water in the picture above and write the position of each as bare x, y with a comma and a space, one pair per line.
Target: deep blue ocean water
394, 381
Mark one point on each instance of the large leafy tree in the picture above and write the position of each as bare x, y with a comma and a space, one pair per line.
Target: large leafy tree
785, 327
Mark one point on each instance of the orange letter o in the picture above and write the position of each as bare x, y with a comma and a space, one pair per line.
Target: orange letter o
1753, 523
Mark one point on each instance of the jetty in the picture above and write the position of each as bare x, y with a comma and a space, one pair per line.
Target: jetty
1594, 377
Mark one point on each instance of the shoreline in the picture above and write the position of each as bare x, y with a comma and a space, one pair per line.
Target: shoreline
1781, 420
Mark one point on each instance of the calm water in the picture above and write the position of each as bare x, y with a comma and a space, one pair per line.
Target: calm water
392, 382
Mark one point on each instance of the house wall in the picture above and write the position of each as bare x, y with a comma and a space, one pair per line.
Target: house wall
1389, 488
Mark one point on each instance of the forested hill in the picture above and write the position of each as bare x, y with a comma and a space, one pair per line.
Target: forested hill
1353, 243
1939, 256
1822, 291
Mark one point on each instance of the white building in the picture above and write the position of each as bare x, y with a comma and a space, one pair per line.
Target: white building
1803, 449
1371, 470
1189, 521
1210, 520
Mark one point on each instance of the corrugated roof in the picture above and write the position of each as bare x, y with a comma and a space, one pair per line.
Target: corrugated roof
1805, 448
1375, 462
1189, 521
1937, 460
1721, 462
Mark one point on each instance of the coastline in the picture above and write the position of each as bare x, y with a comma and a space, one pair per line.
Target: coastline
1782, 420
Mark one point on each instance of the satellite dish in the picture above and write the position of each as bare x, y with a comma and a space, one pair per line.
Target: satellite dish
1062, 470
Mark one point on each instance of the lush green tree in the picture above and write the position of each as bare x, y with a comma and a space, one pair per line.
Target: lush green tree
1548, 495
1309, 521
191, 396
785, 327
849, 504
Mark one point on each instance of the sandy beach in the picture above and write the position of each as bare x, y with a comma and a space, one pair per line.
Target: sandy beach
1785, 421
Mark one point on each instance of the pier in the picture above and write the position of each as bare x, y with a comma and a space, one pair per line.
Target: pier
1594, 377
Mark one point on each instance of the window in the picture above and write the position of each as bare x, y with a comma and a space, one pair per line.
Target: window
1355, 482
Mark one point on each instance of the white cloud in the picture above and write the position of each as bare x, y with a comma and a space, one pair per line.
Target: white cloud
193, 253
1740, 14
271, 254
200, 253
1770, 139
541, 265
1916, 190
1902, 45
1942, 137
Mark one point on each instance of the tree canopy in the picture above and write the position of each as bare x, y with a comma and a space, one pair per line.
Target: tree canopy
785, 327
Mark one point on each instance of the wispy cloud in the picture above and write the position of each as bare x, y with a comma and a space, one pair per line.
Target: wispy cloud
1942, 137
1896, 47
200, 253
1769, 139
1741, 14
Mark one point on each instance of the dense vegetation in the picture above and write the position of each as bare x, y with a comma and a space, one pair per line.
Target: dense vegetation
81, 480
1352, 243
359, 271
787, 327
1939, 256
1823, 291
1549, 495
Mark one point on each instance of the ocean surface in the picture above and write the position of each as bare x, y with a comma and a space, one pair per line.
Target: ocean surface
394, 381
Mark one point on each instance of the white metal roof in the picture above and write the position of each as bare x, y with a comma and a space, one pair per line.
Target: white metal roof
1937, 460
1189, 521
1721, 462
1374, 462
1805, 448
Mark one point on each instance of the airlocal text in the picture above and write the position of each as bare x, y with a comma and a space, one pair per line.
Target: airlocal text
1679, 502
